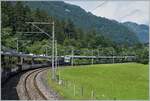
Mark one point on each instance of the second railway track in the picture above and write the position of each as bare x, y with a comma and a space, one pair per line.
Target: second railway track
29, 88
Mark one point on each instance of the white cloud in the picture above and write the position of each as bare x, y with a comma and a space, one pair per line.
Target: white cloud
135, 11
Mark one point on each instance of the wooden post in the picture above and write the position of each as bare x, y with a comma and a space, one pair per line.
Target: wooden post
92, 94
74, 88
59, 76
81, 90
66, 83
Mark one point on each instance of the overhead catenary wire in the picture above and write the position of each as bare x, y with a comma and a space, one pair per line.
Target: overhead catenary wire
53, 41
100, 5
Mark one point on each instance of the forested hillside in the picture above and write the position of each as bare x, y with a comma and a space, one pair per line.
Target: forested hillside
82, 33
87, 21
142, 31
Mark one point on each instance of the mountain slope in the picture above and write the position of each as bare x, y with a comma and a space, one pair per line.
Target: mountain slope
140, 30
87, 21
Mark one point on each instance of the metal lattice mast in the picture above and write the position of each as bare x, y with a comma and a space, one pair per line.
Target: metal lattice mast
46, 51
53, 40
53, 52
55, 55
17, 45
113, 56
92, 56
72, 57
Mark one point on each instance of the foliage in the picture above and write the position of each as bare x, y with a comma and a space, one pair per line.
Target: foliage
67, 33
111, 29
140, 30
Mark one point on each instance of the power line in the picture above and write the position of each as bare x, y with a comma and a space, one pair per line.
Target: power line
53, 41
100, 5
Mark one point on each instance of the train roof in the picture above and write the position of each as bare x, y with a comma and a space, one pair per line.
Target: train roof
24, 55
67, 56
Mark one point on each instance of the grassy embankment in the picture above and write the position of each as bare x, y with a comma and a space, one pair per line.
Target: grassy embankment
103, 81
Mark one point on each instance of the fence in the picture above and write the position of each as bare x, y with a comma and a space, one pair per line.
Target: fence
75, 89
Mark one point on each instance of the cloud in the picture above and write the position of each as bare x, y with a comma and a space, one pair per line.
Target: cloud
135, 11
129, 14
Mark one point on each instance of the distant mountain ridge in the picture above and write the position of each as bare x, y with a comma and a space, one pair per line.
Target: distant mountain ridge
142, 31
117, 32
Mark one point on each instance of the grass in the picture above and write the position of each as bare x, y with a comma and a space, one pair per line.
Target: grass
106, 81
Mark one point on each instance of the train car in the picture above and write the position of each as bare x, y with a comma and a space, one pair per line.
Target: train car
8, 65
67, 60
13, 63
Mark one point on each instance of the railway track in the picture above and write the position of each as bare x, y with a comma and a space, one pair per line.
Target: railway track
28, 88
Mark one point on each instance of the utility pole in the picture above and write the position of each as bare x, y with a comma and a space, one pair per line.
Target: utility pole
72, 56
53, 54
17, 46
113, 56
46, 51
98, 56
92, 57
98, 52
53, 41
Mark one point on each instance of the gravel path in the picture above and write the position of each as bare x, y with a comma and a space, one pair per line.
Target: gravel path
45, 87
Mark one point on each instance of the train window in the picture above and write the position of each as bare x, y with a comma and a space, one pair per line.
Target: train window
67, 59
14, 60
2, 61
6, 60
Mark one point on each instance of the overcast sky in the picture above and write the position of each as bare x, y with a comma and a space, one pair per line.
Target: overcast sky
135, 11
